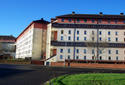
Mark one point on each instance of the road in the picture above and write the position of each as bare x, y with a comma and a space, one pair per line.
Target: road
37, 75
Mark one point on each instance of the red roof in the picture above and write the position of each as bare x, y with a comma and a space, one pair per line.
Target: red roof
93, 16
6, 38
36, 21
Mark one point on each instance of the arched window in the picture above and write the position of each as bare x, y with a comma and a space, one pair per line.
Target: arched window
109, 58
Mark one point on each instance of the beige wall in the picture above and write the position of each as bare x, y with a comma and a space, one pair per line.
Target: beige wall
81, 54
104, 35
32, 44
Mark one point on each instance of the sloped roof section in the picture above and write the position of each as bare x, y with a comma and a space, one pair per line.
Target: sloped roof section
94, 16
5, 38
41, 21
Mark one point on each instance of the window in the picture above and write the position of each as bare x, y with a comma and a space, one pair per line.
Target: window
116, 39
99, 21
85, 20
93, 57
62, 20
85, 39
116, 33
109, 51
116, 51
109, 58
61, 56
93, 20
78, 20
85, 32
93, 38
124, 21
109, 39
69, 31
100, 32
69, 20
77, 31
62, 31
100, 52
68, 56
68, 50
109, 33
100, 57
93, 51
116, 57
84, 57
69, 38
116, 21
109, 21
92, 32
77, 57
61, 37
61, 50
84, 51
77, 50
100, 39
77, 38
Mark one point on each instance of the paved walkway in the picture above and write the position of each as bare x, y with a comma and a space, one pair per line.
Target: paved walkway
37, 75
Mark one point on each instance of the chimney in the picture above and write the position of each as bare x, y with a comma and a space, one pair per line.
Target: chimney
101, 13
121, 13
73, 13
41, 18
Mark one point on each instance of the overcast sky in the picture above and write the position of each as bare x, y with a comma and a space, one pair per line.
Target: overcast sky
15, 15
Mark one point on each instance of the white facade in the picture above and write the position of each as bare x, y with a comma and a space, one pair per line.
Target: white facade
86, 35
24, 45
31, 44
85, 53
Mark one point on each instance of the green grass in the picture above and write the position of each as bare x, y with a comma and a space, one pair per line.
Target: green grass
90, 79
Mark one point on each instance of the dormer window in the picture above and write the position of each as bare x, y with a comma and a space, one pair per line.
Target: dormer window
116, 21
109, 21
93, 20
62, 20
69, 20
100, 20
124, 21
78, 20
85, 20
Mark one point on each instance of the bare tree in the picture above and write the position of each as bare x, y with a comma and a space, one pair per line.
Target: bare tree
1, 50
96, 46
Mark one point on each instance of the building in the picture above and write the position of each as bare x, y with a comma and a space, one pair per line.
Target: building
31, 43
86, 37
7, 46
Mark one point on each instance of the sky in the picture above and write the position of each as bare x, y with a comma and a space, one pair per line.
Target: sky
16, 15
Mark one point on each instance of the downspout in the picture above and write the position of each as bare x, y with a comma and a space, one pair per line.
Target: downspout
74, 22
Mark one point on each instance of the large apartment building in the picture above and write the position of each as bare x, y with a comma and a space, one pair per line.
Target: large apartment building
7, 46
86, 37
31, 43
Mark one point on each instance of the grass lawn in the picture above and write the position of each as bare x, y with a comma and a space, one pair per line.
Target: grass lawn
90, 79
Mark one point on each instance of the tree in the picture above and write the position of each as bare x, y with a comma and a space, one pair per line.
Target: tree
1, 50
95, 45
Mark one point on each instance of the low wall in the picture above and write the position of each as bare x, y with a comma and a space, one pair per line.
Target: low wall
37, 62
58, 64
14, 62
90, 65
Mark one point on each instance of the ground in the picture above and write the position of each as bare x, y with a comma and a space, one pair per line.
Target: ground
11, 74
